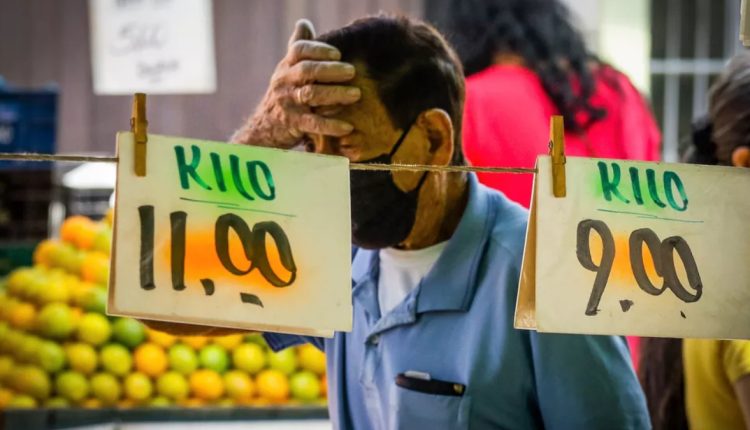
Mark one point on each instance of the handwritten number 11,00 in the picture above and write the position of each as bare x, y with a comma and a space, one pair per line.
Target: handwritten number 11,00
662, 253
253, 243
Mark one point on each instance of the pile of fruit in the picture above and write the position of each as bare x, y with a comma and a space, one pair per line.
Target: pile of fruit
59, 349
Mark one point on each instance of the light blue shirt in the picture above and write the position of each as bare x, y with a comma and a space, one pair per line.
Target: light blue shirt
457, 326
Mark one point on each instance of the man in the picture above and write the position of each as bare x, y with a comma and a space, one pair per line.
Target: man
437, 255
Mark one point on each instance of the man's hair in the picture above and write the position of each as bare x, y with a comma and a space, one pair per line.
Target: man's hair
413, 67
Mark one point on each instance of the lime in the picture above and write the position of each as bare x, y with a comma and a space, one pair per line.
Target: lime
160, 402
249, 357
94, 329
116, 359
55, 320
106, 388
182, 359
82, 358
305, 386
95, 300
56, 402
73, 386
51, 357
6, 367
214, 357
32, 381
54, 291
238, 385
29, 348
22, 401
173, 385
128, 332
138, 387
284, 361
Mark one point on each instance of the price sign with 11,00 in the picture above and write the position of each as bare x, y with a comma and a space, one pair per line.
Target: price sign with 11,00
232, 236
637, 248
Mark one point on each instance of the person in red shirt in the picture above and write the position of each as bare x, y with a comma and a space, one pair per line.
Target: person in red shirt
524, 62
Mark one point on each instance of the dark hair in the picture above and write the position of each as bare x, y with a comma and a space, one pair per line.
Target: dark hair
729, 108
660, 371
413, 67
539, 31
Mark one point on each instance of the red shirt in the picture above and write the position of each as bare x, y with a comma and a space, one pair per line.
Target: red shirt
506, 124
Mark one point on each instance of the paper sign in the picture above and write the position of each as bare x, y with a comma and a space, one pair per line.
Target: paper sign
232, 236
152, 46
636, 248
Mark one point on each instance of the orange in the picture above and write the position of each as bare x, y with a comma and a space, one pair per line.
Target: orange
273, 385
165, 340
195, 342
206, 384
22, 316
192, 403
44, 251
91, 403
323, 386
5, 397
78, 230
150, 359
95, 268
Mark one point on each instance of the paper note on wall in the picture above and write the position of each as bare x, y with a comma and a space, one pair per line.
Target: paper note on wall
636, 248
152, 46
232, 236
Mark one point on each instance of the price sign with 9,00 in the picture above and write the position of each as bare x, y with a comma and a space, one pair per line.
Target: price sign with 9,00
232, 236
637, 248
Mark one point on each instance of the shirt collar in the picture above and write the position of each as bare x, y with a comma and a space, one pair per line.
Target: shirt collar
451, 283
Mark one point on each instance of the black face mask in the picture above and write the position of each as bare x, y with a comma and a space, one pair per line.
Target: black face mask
382, 214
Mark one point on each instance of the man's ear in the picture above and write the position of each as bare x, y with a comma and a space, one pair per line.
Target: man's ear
741, 157
438, 127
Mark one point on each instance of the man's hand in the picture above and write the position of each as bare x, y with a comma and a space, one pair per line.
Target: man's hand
310, 75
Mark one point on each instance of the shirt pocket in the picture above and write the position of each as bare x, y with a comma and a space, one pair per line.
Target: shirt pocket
412, 409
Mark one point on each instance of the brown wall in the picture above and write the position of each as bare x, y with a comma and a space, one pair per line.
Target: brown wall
44, 41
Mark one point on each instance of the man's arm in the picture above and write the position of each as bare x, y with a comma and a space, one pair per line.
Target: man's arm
310, 75
587, 382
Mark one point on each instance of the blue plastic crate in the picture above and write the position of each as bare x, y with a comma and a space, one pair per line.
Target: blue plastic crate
27, 124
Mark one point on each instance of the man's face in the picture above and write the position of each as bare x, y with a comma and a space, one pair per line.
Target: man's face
374, 134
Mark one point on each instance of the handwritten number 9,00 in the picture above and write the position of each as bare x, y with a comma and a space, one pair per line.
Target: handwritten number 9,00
662, 253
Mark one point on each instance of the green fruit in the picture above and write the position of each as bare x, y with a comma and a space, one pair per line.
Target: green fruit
128, 332
173, 385
22, 402
94, 329
160, 402
138, 387
82, 358
214, 357
32, 381
56, 321
284, 361
103, 240
116, 359
95, 300
106, 388
29, 349
51, 357
72, 386
305, 386
6, 368
182, 359
249, 357
57, 402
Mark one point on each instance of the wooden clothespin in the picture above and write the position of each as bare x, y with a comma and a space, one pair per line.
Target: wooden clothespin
139, 126
557, 152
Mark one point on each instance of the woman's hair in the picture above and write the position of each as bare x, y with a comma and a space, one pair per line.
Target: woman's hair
727, 125
729, 108
660, 371
540, 32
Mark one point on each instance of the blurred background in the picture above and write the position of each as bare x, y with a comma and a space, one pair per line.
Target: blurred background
671, 50
55, 98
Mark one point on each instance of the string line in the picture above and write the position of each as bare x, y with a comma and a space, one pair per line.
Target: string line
29, 156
